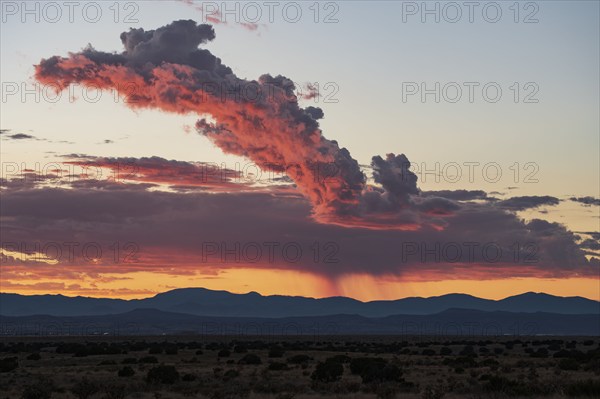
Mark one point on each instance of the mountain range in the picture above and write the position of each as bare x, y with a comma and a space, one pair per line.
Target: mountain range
205, 302
451, 322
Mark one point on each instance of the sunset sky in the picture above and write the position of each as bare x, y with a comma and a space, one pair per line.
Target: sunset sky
276, 158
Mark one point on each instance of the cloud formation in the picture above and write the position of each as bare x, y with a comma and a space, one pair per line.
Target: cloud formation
390, 227
17, 136
527, 202
157, 170
586, 200
260, 120
171, 231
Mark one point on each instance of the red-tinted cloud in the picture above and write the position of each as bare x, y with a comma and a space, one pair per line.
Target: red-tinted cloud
387, 228
198, 232
260, 120
168, 172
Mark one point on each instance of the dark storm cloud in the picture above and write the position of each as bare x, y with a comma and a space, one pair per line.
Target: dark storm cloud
20, 136
593, 244
586, 200
594, 234
182, 222
527, 202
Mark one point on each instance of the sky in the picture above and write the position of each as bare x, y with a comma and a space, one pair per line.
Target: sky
375, 150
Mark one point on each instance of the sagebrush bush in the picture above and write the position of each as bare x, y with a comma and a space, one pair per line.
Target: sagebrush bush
8, 364
126, 372
38, 390
162, 375
250, 358
327, 372
85, 388
585, 388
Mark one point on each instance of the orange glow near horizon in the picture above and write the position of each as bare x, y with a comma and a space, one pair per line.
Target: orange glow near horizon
278, 282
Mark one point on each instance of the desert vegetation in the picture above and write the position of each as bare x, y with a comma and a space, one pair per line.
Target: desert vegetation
297, 367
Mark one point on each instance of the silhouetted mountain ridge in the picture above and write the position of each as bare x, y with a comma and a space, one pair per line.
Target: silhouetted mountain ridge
205, 302
451, 322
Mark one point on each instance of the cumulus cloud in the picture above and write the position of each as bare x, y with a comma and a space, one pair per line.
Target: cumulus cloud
259, 119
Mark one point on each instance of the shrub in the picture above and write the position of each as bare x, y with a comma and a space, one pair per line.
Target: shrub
510, 387
162, 374
84, 389
276, 366
541, 352
276, 351
224, 353
188, 377
250, 358
148, 359
171, 350
460, 362
129, 360
213, 346
230, 374
34, 356
375, 370
8, 364
114, 391
359, 364
341, 359
328, 372
490, 363
126, 372
386, 390
445, 351
468, 351
586, 388
433, 392
568, 364
299, 359
38, 390
239, 348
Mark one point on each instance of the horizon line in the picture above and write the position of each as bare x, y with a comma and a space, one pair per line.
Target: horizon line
300, 296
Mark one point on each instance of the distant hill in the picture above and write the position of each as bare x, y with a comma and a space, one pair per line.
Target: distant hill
448, 323
204, 302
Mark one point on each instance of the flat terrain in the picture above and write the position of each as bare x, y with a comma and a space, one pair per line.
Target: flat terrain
298, 367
